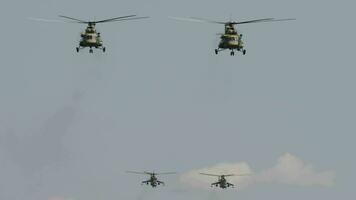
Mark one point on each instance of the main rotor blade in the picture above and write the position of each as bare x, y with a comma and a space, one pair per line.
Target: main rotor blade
208, 20
71, 18
45, 20
196, 19
263, 20
237, 175
166, 173
134, 172
224, 174
210, 174
228, 175
193, 19
134, 18
115, 18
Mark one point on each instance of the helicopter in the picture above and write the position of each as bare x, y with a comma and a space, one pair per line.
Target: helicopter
153, 180
90, 37
222, 182
231, 39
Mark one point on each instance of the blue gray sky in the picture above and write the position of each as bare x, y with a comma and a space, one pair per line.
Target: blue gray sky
159, 99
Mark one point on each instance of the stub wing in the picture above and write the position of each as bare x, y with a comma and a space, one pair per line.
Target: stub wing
160, 183
145, 182
216, 184
230, 185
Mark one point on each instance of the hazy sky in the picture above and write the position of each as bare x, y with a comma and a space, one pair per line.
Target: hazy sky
159, 99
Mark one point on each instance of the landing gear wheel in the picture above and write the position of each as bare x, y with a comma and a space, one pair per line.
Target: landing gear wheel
232, 53
77, 49
90, 50
244, 52
216, 51
104, 49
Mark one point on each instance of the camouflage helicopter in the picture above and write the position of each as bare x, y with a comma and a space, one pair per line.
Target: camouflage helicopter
90, 37
222, 182
230, 39
153, 180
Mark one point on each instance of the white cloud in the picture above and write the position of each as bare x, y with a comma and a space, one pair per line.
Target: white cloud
292, 170
288, 170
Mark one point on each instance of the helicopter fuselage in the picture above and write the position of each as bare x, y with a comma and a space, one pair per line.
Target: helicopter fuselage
230, 40
90, 38
222, 183
153, 181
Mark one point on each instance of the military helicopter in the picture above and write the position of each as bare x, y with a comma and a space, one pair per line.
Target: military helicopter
230, 39
222, 182
90, 37
153, 181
